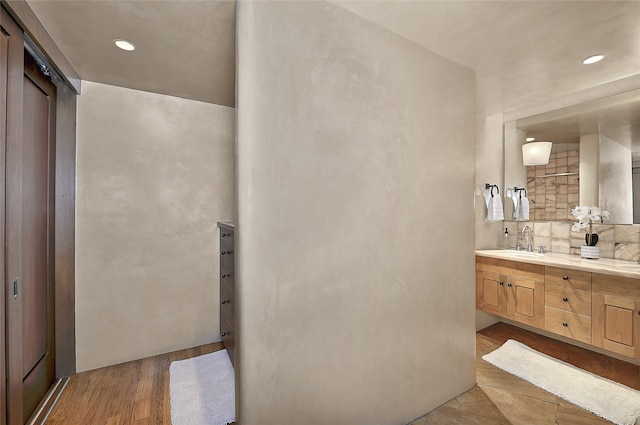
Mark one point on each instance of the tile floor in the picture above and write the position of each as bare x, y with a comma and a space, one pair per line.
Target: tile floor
502, 398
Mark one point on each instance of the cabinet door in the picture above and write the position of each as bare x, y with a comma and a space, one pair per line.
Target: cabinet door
525, 301
616, 324
490, 292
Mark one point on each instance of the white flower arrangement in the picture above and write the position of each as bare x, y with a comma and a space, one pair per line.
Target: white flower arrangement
586, 216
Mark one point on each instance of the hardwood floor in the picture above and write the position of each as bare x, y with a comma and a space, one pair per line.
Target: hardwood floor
130, 393
138, 392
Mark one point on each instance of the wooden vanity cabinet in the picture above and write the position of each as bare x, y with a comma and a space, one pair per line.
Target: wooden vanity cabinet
594, 308
511, 289
616, 314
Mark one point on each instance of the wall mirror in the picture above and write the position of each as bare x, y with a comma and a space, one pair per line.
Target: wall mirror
595, 159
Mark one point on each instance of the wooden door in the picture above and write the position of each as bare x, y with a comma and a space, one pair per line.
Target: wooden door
30, 193
490, 292
525, 300
616, 324
38, 166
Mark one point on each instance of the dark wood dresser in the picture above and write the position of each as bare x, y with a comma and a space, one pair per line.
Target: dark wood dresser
227, 286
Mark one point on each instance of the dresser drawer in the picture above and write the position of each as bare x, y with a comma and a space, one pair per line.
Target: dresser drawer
226, 276
226, 259
228, 336
566, 277
226, 301
567, 298
572, 325
226, 238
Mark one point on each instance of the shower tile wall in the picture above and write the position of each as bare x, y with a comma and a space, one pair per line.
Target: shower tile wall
619, 241
551, 197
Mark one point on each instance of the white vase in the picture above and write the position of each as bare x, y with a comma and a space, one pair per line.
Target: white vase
590, 251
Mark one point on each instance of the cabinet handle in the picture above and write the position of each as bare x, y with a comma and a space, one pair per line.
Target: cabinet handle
565, 324
502, 283
565, 299
224, 276
226, 252
224, 235
223, 334
224, 301
565, 277
509, 285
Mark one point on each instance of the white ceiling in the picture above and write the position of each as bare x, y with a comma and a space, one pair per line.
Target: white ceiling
522, 51
184, 48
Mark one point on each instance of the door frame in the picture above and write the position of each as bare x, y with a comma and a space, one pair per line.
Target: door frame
9, 259
17, 15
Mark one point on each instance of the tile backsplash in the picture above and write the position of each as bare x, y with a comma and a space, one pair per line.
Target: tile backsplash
619, 241
555, 186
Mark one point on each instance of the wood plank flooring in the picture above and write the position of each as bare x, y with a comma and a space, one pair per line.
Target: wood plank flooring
138, 392
130, 393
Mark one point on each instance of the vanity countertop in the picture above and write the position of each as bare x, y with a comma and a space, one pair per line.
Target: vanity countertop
575, 262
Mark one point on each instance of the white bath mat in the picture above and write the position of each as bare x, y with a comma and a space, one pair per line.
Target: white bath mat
609, 400
202, 390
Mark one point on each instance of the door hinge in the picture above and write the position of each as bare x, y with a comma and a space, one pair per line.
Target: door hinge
15, 288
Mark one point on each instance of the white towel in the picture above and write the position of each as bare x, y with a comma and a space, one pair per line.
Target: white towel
495, 211
523, 208
514, 195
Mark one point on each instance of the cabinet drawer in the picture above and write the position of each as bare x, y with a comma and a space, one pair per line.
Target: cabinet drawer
574, 278
572, 325
567, 298
227, 333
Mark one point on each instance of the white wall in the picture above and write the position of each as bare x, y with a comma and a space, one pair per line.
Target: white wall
355, 290
154, 174
615, 177
489, 169
589, 170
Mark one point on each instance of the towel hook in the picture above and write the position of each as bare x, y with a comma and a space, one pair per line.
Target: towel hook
520, 190
491, 186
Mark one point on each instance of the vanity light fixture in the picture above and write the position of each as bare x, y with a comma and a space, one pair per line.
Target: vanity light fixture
125, 45
593, 59
536, 153
530, 139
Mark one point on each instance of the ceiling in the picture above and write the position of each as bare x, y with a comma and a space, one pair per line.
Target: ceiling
523, 52
184, 48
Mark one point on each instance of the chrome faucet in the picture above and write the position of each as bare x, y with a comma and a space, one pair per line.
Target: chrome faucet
529, 245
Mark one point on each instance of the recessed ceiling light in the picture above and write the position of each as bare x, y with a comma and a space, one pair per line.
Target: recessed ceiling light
593, 59
125, 45
530, 139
